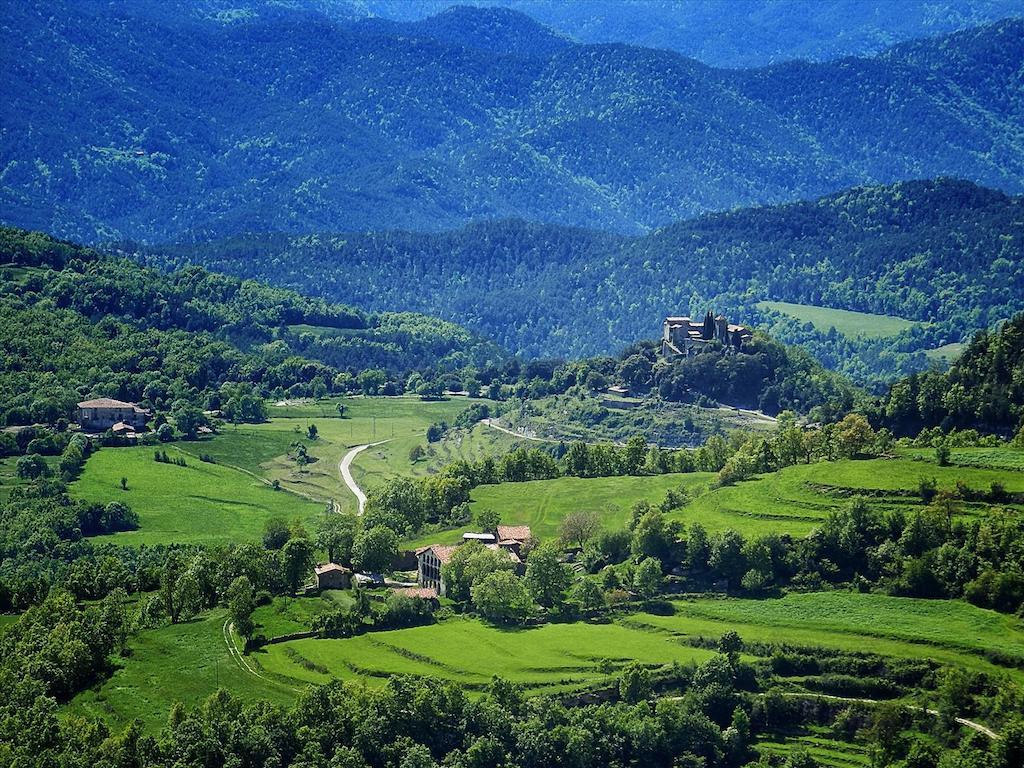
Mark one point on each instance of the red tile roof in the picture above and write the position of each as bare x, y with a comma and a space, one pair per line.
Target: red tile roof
520, 533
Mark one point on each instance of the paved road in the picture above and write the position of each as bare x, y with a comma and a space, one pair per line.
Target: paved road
345, 468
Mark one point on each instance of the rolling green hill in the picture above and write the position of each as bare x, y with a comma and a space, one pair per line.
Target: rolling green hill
324, 124
74, 321
946, 256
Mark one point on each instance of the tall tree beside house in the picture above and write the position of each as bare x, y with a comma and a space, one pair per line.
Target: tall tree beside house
335, 534
296, 561
374, 548
547, 577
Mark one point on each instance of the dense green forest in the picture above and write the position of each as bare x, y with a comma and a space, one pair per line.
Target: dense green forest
164, 121
984, 389
75, 323
946, 253
725, 33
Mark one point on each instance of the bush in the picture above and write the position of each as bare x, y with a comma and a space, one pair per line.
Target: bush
405, 611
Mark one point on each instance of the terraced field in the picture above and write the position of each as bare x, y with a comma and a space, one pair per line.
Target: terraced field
948, 631
821, 744
796, 499
181, 662
187, 662
552, 657
542, 504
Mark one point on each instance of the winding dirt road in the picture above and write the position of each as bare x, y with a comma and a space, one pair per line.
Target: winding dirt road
345, 468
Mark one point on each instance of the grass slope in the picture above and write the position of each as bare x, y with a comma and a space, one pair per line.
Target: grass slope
947, 631
187, 662
400, 421
286, 615
542, 504
183, 662
548, 658
199, 503
846, 322
796, 499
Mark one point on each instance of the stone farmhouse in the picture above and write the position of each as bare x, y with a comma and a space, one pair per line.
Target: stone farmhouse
116, 415
332, 576
431, 559
680, 336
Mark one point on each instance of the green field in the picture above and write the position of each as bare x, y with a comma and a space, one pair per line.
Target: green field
541, 504
850, 324
8, 620
547, 658
183, 662
199, 503
796, 499
287, 615
9, 478
614, 419
947, 353
821, 744
1003, 457
947, 631
400, 421
187, 662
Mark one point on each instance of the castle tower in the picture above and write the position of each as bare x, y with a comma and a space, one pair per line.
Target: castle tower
722, 329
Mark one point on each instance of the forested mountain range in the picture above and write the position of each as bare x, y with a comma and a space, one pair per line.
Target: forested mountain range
75, 323
724, 33
165, 121
947, 253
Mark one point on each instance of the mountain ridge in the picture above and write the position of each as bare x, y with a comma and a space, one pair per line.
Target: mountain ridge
945, 253
296, 123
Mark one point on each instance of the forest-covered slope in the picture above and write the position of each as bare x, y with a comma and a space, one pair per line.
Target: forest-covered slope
76, 323
947, 253
164, 121
724, 33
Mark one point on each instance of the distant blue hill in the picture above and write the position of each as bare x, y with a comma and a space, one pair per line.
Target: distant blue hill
173, 120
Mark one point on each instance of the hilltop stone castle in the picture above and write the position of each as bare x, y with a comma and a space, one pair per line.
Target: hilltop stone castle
682, 336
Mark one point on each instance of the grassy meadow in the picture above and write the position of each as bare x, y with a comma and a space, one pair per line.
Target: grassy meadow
286, 615
796, 499
187, 662
1001, 458
548, 658
399, 423
541, 504
947, 353
9, 476
948, 631
182, 662
198, 503
846, 322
